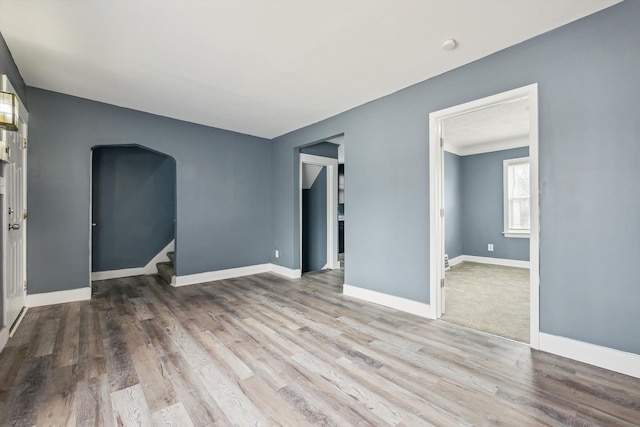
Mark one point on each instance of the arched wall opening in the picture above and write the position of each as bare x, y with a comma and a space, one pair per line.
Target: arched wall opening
133, 211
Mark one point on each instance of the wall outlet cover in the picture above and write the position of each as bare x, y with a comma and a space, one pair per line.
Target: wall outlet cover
490, 247
277, 253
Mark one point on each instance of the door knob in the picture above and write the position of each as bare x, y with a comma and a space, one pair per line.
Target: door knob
14, 226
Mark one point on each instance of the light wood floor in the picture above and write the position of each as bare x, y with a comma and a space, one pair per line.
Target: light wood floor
263, 350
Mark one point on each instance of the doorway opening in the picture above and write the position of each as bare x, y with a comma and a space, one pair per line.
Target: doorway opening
319, 212
484, 215
133, 213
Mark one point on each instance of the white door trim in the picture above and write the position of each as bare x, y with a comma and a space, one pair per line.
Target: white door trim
332, 205
436, 168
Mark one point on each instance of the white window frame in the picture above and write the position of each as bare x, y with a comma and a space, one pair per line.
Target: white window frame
505, 180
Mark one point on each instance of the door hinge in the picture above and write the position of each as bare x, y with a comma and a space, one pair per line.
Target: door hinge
24, 142
24, 285
442, 283
441, 142
442, 212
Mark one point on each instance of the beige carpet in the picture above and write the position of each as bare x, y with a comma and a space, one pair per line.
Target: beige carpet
489, 298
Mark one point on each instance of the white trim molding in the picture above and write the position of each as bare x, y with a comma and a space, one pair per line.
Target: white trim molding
495, 261
59, 297
212, 276
4, 337
392, 301
487, 146
603, 357
230, 273
151, 267
286, 272
457, 260
117, 274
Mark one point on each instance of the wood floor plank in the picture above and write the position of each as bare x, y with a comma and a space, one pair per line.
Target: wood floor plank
225, 391
130, 407
157, 390
46, 337
390, 413
67, 343
119, 365
56, 404
202, 408
93, 402
28, 388
172, 416
267, 350
224, 355
276, 409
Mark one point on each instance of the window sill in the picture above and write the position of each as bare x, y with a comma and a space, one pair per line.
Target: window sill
517, 235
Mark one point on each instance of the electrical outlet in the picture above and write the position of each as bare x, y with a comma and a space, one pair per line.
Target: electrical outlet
490, 247
277, 253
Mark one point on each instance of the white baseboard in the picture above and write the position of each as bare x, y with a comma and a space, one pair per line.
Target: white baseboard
14, 327
494, 261
286, 272
457, 260
331, 265
212, 276
59, 297
603, 357
4, 337
116, 274
399, 303
151, 267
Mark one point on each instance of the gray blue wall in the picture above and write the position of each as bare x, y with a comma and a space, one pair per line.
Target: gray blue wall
483, 206
589, 143
323, 149
453, 238
314, 224
134, 192
223, 188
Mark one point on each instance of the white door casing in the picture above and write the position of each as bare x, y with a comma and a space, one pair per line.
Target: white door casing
440, 158
332, 205
15, 218
436, 221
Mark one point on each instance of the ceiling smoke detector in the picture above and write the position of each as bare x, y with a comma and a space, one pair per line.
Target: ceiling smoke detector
449, 44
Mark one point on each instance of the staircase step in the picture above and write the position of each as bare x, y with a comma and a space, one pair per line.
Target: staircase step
172, 256
165, 270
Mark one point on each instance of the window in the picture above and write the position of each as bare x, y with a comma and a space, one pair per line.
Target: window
517, 210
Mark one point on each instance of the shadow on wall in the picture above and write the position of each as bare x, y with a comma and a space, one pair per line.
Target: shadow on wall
133, 206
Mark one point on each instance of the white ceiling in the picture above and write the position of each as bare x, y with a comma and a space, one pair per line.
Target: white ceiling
309, 174
260, 67
498, 127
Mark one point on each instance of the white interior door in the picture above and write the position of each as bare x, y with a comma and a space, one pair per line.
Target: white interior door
15, 286
15, 220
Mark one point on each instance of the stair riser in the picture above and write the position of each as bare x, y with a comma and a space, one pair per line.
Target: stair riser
165, 270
